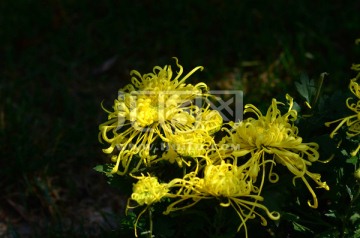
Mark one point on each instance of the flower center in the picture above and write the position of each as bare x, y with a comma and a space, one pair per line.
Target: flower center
145, 113
259, 133
225, 180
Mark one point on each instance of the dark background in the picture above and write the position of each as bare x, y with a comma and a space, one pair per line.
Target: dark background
60, 59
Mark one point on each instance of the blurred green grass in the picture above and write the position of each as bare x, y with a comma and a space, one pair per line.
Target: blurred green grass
60, 59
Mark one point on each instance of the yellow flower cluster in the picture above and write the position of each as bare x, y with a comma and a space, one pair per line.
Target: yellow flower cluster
154, 106
273, 139
353, 121
156, 111
226, 182
148, 190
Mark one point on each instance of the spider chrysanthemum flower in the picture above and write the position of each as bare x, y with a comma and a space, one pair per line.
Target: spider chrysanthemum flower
196, 141
154, 106
192, 144
353, 121
274, 138
226, 182
209, 120
146, 191
199, 141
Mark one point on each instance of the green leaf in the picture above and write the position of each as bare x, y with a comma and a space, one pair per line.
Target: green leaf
344, 152
354, 218
99, 168
104, 168
357, 233
290, 216
331, 213
301, 228
306, 87
353, 160
296, 107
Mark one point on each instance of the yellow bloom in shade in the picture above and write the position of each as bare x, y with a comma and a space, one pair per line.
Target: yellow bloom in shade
146, 191
353, 121
226, 182
154, 106
191, 144
209, 121
273, 138
195, 142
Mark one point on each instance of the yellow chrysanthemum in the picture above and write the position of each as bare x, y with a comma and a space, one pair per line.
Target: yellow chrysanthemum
353, 121
153, 106
225, 180
191, 143
228, 183
146, 191
209, 120
196, 141
275, 135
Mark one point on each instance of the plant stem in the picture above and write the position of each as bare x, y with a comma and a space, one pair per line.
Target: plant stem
150, 224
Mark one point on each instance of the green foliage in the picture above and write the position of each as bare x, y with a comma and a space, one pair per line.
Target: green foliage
306, 87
